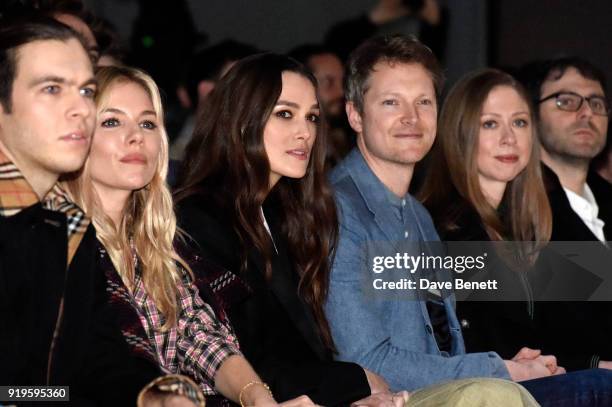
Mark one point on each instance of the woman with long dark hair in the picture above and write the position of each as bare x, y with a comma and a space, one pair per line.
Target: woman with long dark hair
254, 198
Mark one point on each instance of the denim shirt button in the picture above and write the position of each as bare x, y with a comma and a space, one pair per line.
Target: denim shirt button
429, 329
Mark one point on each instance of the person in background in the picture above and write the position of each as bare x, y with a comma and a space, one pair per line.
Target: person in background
74, 14
572, 114
423, 19
329, 71
204, 71
111, 50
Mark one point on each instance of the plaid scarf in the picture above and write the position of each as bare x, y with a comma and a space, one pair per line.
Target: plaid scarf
17, 194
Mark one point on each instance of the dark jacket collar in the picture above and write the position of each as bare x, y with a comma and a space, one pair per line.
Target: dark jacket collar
567, 225
16, 194
283, 280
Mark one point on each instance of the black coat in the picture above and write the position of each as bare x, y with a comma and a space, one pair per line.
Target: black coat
276, 329
578, 329
88, 355
502, 326
567, 225
575, 332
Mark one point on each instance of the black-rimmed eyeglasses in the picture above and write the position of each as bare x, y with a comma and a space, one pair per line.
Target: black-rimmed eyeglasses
572, 102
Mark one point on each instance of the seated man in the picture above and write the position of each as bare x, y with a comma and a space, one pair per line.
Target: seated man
391, 104
51, 324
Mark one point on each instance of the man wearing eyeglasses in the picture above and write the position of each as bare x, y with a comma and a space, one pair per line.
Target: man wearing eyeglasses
572, 109
572, 113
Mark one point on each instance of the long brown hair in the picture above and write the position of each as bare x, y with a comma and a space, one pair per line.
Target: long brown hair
454, 163
226, 161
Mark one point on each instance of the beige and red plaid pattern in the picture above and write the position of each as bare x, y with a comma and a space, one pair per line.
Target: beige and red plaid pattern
199, 342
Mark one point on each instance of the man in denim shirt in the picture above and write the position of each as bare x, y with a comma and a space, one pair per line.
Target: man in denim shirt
392, 83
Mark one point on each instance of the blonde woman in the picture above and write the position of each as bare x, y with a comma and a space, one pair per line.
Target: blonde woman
151, 295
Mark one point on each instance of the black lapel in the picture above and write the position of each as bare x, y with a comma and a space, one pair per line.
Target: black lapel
602, 190
567, 225
283, 283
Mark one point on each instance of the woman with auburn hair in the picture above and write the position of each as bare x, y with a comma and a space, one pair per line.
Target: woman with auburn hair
255, 199
152, 297
485, 185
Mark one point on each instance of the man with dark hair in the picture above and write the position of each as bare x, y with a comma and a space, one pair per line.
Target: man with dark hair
74, 14
414, 341
572, 111
54, 327
329, 71
47, 115
205, 69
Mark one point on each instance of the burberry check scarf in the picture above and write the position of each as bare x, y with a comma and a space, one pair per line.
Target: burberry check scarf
17, 194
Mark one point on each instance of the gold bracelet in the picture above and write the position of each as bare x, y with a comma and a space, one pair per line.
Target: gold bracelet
249, 384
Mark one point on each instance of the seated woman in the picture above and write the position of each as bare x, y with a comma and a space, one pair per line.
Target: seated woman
485, 185
254, 198
151, 293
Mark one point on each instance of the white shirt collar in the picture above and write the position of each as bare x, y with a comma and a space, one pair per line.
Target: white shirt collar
586, 208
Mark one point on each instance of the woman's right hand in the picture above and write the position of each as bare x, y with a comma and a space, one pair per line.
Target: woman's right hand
377, 383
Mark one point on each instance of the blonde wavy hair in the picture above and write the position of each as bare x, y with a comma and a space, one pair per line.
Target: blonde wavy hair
148, 222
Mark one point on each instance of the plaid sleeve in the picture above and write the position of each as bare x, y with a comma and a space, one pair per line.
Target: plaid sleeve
203, 341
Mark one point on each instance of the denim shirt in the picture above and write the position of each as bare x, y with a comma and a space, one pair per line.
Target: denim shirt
391, 337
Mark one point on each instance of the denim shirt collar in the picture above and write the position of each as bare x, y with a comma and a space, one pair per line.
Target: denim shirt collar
378, 199
376, 195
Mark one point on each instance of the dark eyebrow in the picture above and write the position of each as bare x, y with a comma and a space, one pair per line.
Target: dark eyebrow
48, 78
60, 80
286, 103
295, 105
594, 94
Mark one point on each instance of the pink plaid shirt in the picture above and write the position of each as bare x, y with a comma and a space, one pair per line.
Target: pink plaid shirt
199, 342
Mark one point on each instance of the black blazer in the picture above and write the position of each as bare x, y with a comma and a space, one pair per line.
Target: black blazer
578, 328
575, 332
276, 329
88, 354
503, 326
567, 225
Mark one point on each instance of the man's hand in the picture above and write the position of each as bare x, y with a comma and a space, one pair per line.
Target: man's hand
527, 353
377, 383
386, 399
